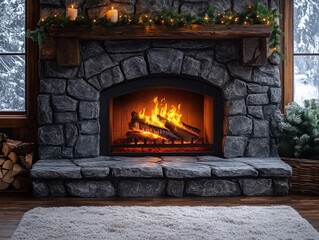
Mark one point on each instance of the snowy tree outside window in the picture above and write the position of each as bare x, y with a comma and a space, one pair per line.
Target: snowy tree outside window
306, 50
12, 55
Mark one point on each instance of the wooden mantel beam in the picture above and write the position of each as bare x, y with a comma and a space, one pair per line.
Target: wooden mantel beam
68, 54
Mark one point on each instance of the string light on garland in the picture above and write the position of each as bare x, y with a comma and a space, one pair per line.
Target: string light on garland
255, 13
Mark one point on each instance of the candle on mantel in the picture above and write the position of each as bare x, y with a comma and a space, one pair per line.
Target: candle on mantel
71, 12
112, 15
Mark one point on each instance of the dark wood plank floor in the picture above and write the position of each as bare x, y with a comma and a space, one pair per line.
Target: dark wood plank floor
13, 206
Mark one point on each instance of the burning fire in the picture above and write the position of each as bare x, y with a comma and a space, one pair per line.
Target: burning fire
172, 114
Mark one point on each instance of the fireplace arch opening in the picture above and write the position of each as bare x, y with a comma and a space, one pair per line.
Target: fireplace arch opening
161, 115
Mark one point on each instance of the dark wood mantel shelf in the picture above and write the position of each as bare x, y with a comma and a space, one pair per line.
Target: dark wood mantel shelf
65, 42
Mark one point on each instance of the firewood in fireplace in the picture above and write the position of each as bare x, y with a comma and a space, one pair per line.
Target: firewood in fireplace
184, 134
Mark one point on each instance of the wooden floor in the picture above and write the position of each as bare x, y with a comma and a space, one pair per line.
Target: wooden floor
13, 206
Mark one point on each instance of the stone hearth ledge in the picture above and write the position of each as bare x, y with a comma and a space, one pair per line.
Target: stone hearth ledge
160, 176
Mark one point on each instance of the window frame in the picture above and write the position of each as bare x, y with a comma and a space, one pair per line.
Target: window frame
27, 118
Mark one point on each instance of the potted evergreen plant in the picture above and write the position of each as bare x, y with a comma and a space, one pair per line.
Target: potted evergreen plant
299, 145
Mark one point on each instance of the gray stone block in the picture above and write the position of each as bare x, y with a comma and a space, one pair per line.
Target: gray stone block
89, 127
145, 170
80, 89
255, 88
87, 146
141, 188
237, 70
126, 46
55, 172
275, 58
239, 125
275, 95
258, 147
186, 170
221, 5
227, 50
54, 163
134, 67
281, 186
110, 77
261, 128
257, 99
165, 60
234, 146
235, 90
97, 64
67, 152
179, 159
191, 66
89, 110
90, 49
212, 188
101, 161
209, 158
275, 122
184, 44
53, 85
153, 6
267, 75
218, 75
51, 135
71, 134
50, 152
175, 188
95, 82
95, 172
40, 188
65, 117
90, 189
44, 110
236, 107
63, 103
198, 9
54, 70
256, 187
206, 58
256, 111
56, 188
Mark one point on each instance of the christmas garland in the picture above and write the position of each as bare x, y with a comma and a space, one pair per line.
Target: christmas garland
255, 13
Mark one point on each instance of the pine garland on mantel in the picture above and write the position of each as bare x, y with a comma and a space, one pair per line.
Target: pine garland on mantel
255, 13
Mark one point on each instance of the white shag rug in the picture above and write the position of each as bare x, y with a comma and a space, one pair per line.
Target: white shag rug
165, 223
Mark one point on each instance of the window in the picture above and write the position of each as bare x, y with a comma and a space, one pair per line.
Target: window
12, 56
305, 50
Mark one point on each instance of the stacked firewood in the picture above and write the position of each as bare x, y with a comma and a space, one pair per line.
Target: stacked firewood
16, 159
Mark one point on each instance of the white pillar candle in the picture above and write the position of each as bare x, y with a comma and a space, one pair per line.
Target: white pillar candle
112, 15
71, 12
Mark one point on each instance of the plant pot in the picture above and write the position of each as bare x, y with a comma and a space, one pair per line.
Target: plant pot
305, 175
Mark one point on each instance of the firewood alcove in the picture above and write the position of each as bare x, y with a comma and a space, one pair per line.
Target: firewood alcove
64, 43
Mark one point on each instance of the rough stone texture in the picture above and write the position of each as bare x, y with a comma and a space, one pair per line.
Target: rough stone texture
212, 187
65, 117
234, 146
134, 67
256, 187
95, 172
186, 170
221, 5
227, 50
67, 152
144, 170
110, 77
175, 188
206, 58
53, 70
94, 81
218, 75
63, 103
191, 66
268, 75
50, 152
194, 8
152, 6
237, 107
91, 189
97, 64
87, 146
52, 135
257, 99
275, 95
255, 88
53, 85
237, 70
256, 111
90, 49
281, 187
89, 127
239, 125
39, 171
162, 60
179, 159
71, 134
57, 189
141, 188
89, 110
235, 90
258, 147
80, 89
126, 46
261, 128
40, 188
44, 110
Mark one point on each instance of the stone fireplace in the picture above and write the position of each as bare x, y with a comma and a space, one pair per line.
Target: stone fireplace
91, 118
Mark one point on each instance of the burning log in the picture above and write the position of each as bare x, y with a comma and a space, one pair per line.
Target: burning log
178, 131
191, 129
139, 124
